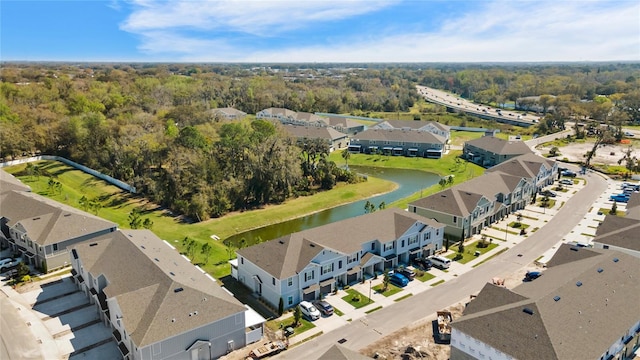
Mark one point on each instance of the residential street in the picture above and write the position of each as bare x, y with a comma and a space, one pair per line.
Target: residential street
371, 328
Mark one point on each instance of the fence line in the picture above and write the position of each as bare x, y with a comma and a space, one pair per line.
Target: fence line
122, 185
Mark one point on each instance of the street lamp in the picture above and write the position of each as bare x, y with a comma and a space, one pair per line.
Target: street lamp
370, 281
506, 228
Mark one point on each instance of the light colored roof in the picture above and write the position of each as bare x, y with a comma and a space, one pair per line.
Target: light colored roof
47, 221
526, 166
500, 146
413, 124
314, 132
633, 206
309, 117
228, 111
619, 231
9, 182
342, 122
453, 201
339, 352
424, 137
284, 257
567, 321
145, 276
280, 111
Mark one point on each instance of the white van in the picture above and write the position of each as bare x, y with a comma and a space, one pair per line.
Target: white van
440, 262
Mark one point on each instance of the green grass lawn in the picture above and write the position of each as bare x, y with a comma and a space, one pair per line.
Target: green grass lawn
403, 297
277, 324
425, 276
117, 204
337, 311
391, 289
437, 283
469, 251
356, 299
518, 225
606, 211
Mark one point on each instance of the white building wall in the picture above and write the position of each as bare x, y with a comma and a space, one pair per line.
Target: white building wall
599, 245
475, 348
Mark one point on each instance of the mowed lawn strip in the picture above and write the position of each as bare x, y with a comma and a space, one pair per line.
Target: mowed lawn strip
118, 204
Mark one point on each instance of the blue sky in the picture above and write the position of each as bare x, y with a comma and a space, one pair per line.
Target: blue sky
319, 31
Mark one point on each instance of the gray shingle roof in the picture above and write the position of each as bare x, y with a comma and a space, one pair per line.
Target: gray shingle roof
143, 274
286, 256
500, 146
454, 201
47, 221
567, 321
399, 124
526, 166
339, 352
619, 231
313, 132
9, 182
400, 135
633, 206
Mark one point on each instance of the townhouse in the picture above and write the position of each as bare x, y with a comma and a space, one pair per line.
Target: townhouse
333, 138
398, 142
469, 207
489, 151
344, 124
621, 233
228, 113
157, 303
285, 116
585, 306
42, 230
307, 264
433, 127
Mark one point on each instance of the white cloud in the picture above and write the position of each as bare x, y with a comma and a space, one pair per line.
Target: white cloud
497, 31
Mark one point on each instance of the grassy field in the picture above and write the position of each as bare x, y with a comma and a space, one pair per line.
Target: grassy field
391, 289
469, 252
117, 204
356, 299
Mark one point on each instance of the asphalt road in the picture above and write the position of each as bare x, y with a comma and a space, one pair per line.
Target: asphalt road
363, 332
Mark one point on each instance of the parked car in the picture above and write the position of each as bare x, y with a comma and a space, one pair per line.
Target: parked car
623, 198
9, 263
568, 173
566, 182
309, 311
408, 273
629, 134
324, 307
532, 275
548, 193
423, 263
398, 279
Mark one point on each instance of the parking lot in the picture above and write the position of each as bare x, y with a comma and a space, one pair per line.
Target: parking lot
53, 320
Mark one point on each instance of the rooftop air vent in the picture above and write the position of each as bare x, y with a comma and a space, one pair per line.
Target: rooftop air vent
177, 290
312, 245
142, 246
171, 273
616, 259
600, 270
579, 283
93, 244
575, 248
281, 242
156, 259
36, 218
556, 298
66, 215
528, 311
173, 320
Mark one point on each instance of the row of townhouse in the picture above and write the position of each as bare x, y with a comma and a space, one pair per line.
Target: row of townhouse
621, 233
307, 264
469, 207
158, 305
584, 307
489, 151
398, 142
334, 139
289, 117
433, 127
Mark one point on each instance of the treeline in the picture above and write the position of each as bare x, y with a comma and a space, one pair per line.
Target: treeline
152, 125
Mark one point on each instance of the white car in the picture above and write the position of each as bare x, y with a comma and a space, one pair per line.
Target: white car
309, 311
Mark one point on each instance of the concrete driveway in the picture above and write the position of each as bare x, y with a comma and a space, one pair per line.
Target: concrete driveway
53, 321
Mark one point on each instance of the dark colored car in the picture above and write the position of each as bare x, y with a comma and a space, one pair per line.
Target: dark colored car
398, 279
568, 173
548, 193
532, 275
423, 263
408, 273
324, 307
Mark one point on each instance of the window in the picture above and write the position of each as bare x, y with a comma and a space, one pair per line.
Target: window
605, 247
455, 219
339, 264
290, 300
326, 269
373, 246
427, 235
273, 280
402, 243
437, 232
388, 246
55, 247
242, 260
308, 276
413, 239
290, 282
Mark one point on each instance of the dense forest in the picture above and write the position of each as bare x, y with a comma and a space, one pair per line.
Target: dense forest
152, 125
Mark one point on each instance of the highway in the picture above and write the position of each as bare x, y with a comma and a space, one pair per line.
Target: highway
482, 111
415, 309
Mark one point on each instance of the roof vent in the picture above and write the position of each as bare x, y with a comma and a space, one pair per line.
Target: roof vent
575, 248
177, 290
616, 259
556, 298
171, 273
528, 311
36, 218
195, 312
93, 244
312, 245
579, 283
142, 246
600, 270
156, 259
66, 215
281, 241
173, 320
